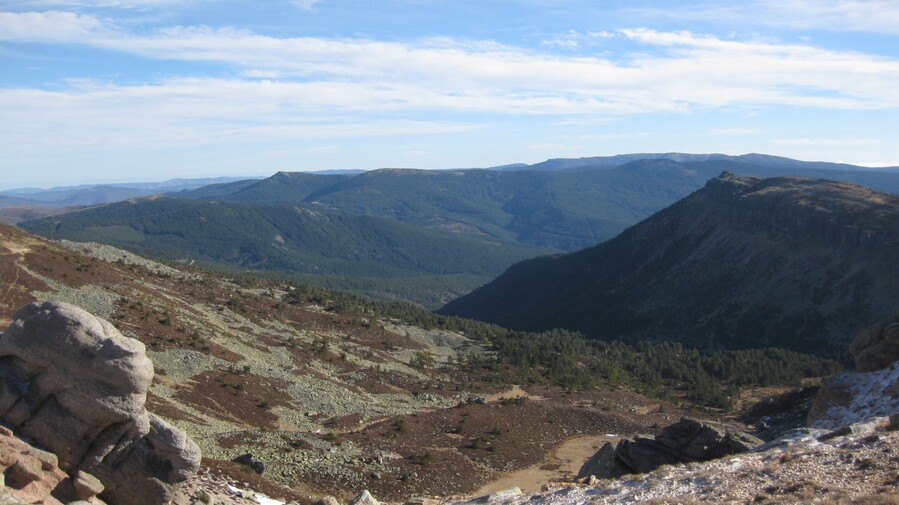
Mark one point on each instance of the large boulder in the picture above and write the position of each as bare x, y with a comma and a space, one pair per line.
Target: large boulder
685, 441
696, 441
643, 454
74, 385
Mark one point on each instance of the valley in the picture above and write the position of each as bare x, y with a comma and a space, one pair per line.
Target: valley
334, 393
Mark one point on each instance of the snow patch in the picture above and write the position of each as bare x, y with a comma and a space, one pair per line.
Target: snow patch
873, 394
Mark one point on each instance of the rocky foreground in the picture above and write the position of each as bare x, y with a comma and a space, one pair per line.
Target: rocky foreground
857, 464
806, 466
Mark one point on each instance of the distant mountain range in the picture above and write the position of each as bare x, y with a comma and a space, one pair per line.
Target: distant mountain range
559, 204
758, 160
744, 262
507, 213
95, 194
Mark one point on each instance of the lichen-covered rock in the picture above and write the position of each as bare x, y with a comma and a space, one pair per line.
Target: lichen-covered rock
72, 383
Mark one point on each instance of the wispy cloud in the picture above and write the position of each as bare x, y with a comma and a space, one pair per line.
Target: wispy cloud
875, 16
675, 72
51, 26
190, 112
574, 39
99, 4
328, 88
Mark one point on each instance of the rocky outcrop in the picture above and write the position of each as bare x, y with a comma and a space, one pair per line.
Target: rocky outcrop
30, 475
878, 347
872, 391
682, 442
74, 385
852, 397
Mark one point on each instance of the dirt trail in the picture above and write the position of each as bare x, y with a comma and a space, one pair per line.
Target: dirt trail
562, 462
512, 392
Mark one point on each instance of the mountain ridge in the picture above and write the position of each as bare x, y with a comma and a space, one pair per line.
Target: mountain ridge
510, 212
824, 253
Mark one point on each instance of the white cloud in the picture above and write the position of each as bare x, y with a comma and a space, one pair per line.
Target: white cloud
574, 39
721, 72
51, 26
325, 88
101, 4
682, 70
875, 16
675, 72
565, 43
843, 15
285, 83
191, 112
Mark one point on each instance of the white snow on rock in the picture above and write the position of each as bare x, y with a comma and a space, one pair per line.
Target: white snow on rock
872, 394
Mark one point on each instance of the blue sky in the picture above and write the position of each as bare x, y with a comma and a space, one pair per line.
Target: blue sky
124, 90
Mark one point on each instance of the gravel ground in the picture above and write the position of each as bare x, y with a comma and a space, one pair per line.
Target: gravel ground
93, 299
112, 254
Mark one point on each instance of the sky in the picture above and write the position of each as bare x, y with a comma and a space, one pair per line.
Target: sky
146, 90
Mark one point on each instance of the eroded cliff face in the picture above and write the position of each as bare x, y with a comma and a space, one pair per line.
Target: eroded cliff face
839, 216
744, 262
